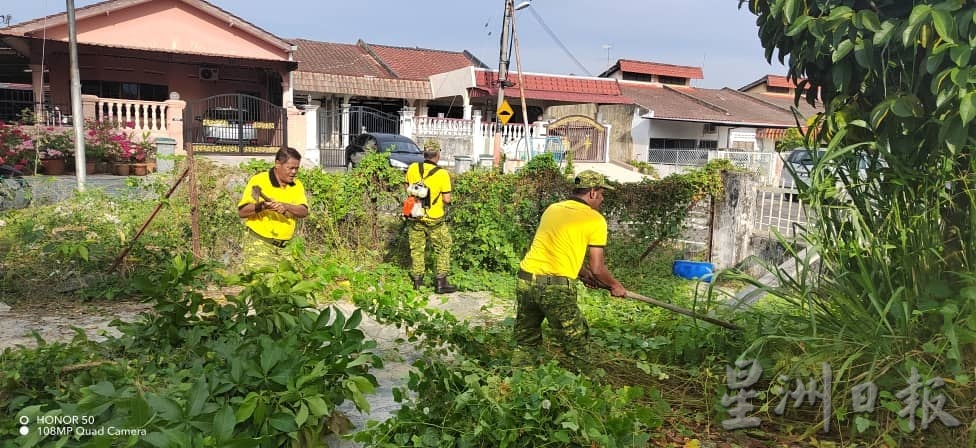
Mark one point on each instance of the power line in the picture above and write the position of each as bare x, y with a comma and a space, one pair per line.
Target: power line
549, 31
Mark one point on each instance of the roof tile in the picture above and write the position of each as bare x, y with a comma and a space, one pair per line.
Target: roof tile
655, 68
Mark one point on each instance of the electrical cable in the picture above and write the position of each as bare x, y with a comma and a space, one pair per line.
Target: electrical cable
549, 31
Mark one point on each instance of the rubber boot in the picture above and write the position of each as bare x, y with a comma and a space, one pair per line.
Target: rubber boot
443, 287
418, 281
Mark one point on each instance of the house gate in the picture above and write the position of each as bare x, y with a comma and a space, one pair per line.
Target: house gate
234, 124
582, 135
334, 136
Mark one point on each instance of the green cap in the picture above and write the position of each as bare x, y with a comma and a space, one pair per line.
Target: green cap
432, 146
591, 179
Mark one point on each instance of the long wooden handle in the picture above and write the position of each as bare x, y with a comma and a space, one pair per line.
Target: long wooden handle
679, 310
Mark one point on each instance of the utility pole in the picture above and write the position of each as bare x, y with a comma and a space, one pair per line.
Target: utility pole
502, 74
78, 118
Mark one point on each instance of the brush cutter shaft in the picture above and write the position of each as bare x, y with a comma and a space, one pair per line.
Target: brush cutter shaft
679, 310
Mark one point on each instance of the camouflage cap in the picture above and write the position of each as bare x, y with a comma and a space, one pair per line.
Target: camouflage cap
591, 179
432, 145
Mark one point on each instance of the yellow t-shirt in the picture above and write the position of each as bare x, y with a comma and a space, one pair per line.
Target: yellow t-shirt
439, 183
565, 232
269, 223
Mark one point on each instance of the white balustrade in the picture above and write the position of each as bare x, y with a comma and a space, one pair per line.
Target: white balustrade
133, 114
446, 127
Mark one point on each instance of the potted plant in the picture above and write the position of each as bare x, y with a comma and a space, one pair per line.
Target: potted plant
55, 148
52, 161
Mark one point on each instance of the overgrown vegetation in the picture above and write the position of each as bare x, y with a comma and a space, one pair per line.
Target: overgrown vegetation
892, 285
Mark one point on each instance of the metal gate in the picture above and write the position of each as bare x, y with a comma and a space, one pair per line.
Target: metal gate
582, 135
235, 124
334, 135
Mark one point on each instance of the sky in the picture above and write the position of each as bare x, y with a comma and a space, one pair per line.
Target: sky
712, 34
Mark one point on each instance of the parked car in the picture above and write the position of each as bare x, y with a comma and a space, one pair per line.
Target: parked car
403, 151
228, 125
801, 160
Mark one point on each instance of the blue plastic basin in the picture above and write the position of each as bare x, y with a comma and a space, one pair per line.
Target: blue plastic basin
693, 270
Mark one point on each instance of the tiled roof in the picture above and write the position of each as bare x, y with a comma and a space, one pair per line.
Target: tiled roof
337, 59
110, 6
361, 85
421, 63
785, 101
725, 106
555, 88
779, 81
654, 68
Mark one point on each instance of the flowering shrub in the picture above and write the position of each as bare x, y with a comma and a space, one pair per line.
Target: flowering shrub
16, 147
104, 141
50, 154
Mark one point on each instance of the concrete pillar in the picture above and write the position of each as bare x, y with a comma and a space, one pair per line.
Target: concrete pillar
37, 85
345, 123
422, 110
312, 156
89, 104
406, 121
733, 216
466, 108
607, 140
296, 129
174, 121
477, 138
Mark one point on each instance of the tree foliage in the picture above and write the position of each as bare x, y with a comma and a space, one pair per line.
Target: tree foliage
894, 193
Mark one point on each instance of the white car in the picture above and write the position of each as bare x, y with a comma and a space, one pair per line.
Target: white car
229, 125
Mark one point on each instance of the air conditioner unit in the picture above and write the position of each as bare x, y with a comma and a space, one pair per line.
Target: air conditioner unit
208, 74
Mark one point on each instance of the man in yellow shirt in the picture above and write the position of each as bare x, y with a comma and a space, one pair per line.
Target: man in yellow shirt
432, 226
568, 232
271, 203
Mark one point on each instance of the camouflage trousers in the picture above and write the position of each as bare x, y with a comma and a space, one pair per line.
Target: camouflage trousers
258, 253
439, 235
557, 304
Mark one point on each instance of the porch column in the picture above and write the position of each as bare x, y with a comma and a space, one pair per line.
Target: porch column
174, 122
312, 134
345, 123
406, 121
466, 106
296, 128
538, 138
422, 108
477, 138
606, 152
89, 107
37, 84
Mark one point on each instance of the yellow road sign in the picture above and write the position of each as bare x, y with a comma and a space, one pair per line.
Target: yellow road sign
504, 112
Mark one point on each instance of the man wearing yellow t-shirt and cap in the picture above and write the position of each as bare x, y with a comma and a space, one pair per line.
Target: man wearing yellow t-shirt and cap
271, 203
568, 232
432, 226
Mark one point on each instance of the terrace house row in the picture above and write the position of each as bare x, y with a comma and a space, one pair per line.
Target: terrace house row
316, 95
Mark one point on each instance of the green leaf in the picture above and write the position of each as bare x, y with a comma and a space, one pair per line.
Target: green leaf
945, 26
83, 252
967, 108
283, 422
355, 319
103, 388
246, 407
862, 423
798, 26
869, 20
906, 106
960, 55
223, 423
302, 416
166, 408
842, 50
318, 407
199, 394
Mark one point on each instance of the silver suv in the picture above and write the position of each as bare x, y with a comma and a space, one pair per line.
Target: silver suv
801, 160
